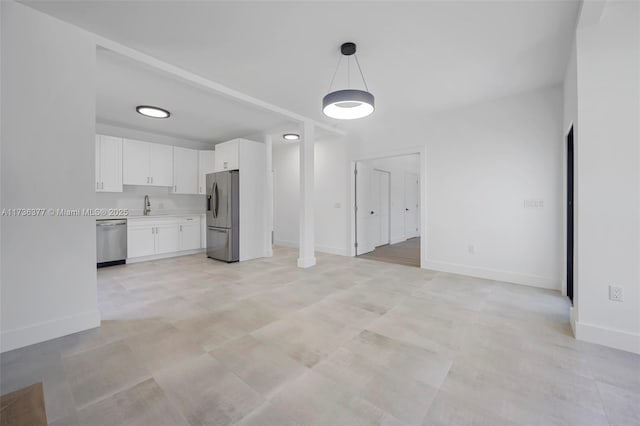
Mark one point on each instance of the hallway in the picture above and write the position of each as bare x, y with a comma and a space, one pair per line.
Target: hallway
404, 253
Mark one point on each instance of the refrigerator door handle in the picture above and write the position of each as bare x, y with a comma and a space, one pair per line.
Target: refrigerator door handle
215, 190
208, 203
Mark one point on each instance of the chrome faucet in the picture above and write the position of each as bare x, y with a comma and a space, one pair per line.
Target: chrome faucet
147, 205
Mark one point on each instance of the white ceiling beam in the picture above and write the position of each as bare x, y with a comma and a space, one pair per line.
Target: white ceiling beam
197, 80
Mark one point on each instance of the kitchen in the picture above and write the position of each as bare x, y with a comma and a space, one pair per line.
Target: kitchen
152, 165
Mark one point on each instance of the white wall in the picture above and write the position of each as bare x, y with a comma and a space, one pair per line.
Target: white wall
482, 162
162, 200
48, 123
397, 167
608, 175
331, 195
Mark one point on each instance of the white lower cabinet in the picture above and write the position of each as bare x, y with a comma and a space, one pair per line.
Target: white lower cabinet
189, 229
140, 239
166, 237
149, 236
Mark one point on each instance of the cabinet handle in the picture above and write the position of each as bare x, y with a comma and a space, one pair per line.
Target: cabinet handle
101, 185
97, 185
151, 179
157, 230
153, 230
180, 228
200, 190
175, 188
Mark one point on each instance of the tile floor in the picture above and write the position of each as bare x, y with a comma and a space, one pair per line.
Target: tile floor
349, 342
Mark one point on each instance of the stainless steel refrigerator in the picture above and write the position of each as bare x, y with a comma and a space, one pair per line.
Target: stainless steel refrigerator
223, 221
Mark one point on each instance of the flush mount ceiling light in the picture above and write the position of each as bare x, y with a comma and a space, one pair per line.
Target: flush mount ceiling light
153, 112
348, 104
291, 136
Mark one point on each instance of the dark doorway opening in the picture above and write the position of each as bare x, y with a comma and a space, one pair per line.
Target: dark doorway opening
570, 214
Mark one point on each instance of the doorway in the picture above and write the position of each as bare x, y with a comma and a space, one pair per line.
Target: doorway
387, 209
570, 224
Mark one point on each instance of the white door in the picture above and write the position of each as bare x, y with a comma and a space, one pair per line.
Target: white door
110, 164
383, 209
161, 165
166, 237
206, 160
411, 205
376, 183
365, 233
140, 240
135, 163
190, 234
185, 171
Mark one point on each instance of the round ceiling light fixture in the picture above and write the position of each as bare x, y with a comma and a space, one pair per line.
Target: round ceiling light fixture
152, 111
348, 104
291, 136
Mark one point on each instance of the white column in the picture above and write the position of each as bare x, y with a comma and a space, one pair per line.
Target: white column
268, 141
306, 257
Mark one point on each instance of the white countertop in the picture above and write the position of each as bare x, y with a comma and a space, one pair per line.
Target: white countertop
138, 214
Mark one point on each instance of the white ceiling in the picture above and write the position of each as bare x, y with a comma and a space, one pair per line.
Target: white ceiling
196, 113
417, 57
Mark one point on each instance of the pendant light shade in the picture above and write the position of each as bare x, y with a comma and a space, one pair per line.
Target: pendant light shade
348, 104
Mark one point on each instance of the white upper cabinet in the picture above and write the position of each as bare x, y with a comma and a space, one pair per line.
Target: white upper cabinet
161, 165
227, 156
206, 164
147, 163
135, 162
108, 163
185, 171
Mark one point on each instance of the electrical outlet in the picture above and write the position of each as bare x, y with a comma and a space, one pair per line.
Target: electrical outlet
616, 293
471, 249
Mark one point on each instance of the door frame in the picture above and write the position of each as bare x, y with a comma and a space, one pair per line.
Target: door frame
388, 195
421, 151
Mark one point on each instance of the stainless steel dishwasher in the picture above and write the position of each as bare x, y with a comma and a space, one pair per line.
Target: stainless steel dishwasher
111, 237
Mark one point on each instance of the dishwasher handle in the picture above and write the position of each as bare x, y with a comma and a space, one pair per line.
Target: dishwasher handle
111, 222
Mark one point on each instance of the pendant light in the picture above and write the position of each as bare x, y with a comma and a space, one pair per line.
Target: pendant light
348, 104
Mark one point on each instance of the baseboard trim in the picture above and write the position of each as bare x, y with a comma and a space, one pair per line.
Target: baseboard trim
493, 274
318, 248
164, 255
613, 338
47, 330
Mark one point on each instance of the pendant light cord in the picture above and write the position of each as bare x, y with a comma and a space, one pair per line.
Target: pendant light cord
334, 73
361, 74
348, 72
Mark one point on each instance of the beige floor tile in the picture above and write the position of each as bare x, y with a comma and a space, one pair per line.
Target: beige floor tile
142, 404
100, 372
206, 393
263, 367
162, 347
621, 405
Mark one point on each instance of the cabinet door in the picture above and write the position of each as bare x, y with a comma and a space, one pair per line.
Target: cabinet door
135, 162
140, 240
110, 164
206, 164
166, 237
97, 152
190, 234
161, 165
226, 157
185, 171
